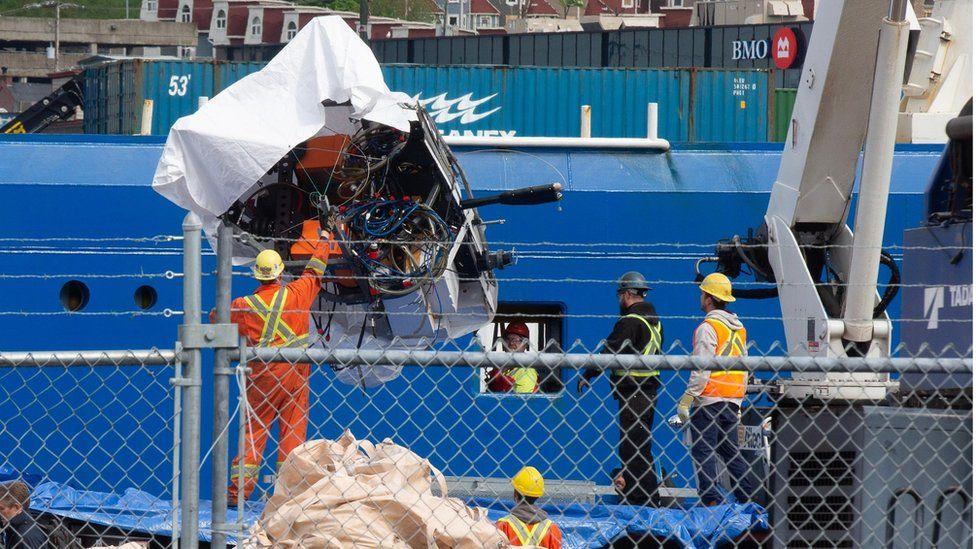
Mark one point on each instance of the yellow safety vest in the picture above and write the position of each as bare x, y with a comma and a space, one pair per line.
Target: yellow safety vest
526, 380
653, 346
528, 534
729, 383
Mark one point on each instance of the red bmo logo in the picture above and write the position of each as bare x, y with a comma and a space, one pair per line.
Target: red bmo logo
784, 48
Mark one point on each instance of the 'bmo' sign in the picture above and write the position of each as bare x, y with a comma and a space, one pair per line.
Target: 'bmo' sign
783, 48
749, 49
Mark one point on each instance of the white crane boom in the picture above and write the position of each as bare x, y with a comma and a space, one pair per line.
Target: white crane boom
825, 273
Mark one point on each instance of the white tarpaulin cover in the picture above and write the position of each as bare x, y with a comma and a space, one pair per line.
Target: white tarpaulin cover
215, 155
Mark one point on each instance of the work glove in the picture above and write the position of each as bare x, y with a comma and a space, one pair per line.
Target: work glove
582, 385
684, 407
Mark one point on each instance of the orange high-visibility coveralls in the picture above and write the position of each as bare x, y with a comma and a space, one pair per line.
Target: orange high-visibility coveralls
277, 315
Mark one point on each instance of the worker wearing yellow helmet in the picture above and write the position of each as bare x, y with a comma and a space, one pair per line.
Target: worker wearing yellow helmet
276, 314
717, 395
527, 524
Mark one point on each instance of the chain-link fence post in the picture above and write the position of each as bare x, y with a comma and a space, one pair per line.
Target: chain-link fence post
190, 429
221, 394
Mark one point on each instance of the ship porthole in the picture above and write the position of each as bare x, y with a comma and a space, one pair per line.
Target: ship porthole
145, 297
74, 296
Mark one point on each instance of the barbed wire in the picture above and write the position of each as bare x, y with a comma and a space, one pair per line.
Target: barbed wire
164, 313
527, 243
47, 276
571, 280
154, 238
703, 245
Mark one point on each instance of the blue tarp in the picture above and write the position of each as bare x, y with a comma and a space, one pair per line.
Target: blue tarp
583, 526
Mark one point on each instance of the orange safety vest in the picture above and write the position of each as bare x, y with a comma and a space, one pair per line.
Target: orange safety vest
531, 534
729, 383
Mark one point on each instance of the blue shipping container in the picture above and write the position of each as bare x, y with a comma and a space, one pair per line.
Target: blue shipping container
114, 94
693, 105
730, 106
727, 105
489, 101
228, 73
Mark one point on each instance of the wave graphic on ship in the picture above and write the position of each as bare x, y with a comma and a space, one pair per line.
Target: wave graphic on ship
442, 109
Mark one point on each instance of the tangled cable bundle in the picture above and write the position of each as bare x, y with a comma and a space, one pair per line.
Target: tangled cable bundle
399, 242
382, 194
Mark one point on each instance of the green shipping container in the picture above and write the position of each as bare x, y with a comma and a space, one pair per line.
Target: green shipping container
783, 99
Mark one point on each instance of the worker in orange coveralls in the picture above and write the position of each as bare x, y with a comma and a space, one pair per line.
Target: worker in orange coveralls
276, 315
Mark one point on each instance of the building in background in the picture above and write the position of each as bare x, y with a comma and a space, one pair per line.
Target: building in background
27, 43
541, 16
484, 18
620, 14
265, 25
707, 13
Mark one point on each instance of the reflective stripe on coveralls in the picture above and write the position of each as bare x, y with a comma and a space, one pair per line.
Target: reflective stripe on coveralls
273, 326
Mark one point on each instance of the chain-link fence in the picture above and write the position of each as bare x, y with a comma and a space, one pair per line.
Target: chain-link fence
353, 438
93, 443
94, 437
879, 464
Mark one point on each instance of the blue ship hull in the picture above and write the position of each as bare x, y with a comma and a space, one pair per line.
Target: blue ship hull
99, 187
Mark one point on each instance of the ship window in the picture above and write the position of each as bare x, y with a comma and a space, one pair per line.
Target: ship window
185, 14
145, 297
221, 19
292, 30
545, 327
74, 295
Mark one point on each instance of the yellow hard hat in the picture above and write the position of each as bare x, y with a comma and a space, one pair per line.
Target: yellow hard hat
718, 286
268, 265
528, 482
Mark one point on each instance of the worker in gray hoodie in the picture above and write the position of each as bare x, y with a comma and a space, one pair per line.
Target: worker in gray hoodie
717, 396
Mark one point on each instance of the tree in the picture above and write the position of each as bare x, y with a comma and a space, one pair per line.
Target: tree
570, 4
343, 5
410, 10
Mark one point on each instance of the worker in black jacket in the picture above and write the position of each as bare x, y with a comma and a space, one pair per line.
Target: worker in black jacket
637, 331
20, 530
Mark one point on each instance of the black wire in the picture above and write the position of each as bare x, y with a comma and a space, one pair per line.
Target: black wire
891, 289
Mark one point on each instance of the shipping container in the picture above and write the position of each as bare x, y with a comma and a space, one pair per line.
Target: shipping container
783, 99
114, 93
730, 106
693, 105
722, 47
489, 101
226, 74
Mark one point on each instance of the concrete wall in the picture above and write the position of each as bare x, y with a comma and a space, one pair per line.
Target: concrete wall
106, 36
34, 64
98, 31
